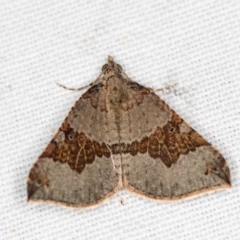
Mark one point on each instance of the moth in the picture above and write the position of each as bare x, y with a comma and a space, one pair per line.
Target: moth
120, 134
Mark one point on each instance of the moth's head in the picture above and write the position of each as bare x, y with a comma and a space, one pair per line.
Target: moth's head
111, 66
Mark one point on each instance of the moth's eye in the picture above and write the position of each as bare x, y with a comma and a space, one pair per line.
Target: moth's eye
104, 67
119, 67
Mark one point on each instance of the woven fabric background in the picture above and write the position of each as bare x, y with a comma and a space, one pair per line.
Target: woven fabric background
195, 44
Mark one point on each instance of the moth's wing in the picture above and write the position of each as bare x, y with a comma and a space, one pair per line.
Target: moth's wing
77, 168
167, 158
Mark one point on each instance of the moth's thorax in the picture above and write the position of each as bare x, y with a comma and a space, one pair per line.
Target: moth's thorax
116, 92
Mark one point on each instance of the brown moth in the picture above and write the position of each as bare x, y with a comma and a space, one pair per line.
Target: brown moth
120, 134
